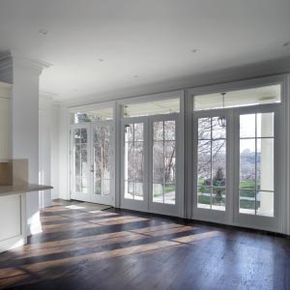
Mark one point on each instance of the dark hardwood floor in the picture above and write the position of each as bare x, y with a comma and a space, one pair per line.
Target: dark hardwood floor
83, 248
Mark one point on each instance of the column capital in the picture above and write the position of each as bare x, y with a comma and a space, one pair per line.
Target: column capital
24, 62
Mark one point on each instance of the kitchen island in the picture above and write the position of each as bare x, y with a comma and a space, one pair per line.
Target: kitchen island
13, 220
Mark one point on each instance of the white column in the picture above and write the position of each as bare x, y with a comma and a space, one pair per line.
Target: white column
25, 127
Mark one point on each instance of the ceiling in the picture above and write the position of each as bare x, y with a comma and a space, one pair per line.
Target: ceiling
97, 47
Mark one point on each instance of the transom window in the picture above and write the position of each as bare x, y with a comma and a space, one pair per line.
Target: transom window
239, 98
159, 107
86, 116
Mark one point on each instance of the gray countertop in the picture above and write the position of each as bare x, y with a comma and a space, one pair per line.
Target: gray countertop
15, 189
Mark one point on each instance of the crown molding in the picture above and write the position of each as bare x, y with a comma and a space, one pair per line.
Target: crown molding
9, 60
28, 63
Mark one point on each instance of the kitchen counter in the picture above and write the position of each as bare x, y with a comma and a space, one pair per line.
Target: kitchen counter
15, 189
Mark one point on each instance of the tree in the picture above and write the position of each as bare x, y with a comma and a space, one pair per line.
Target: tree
219, 180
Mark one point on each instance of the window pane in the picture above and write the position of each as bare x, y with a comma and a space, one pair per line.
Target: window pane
265, 203
106, 186
218, 198
84, 136
152, 108
129, 190
265, 125
134, 161
92, 115
257, 165
169, 162
247, 164
80, 161
158, 171
218, 127
207, 102
129, 128
169, 130
158, 131
204, 197
248, 126
204, 128
164, 159
139, 170
138, 132
211, 165
247, 201
239, 98
158, 192
204, 163
219, 163
265, 164
169, 193
102, 159
247, 176
130, 165
77, 135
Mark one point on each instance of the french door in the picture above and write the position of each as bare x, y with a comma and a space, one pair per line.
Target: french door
237, 166
149, 164
92, 162
212, 174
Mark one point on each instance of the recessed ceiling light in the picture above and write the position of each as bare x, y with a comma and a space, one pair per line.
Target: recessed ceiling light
43, 31
100, 59
286, 44
195, 50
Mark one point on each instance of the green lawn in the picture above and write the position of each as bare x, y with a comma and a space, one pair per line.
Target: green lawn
247, 189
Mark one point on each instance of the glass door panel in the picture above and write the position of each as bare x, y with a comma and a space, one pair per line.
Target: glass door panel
134, 161
164, 162
211, 163
80, 154
102, 167
256, 178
